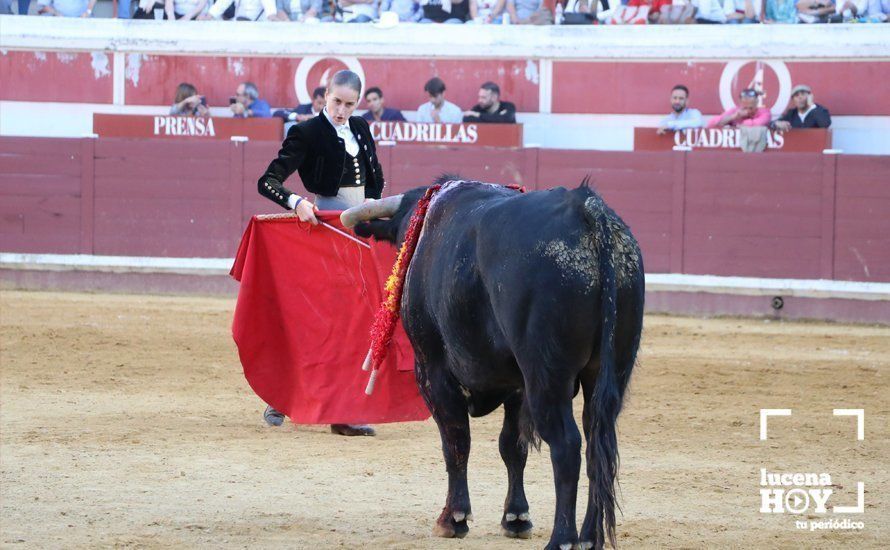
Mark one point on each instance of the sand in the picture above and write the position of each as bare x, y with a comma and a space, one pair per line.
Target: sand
126, 421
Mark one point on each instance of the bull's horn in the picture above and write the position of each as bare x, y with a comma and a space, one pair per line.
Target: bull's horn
383, 208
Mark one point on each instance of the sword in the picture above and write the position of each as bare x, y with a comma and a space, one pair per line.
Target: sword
344, 234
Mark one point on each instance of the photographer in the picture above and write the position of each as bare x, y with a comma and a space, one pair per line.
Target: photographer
247, 102
187, 102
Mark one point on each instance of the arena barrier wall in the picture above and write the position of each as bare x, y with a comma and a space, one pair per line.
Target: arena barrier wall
765, 218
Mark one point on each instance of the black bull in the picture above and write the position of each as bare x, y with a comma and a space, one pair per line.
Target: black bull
520, 299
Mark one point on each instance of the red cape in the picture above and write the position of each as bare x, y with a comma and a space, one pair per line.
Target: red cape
305, 307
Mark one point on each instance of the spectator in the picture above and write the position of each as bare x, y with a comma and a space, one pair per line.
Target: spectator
816, 11
123, 9
301, 11
145, 9
408, 10
358, 11
490, 107
187, 102
779, 11
247, 102
742, 12
805, 113
443, 11
709, 12
327, 11
377, 110
437, 109
878, 10
528, 12
487, 11
304, 111
184, 9
852, 10
680, 13
747, 113
661, 11
66, 8
682, 116
245, 10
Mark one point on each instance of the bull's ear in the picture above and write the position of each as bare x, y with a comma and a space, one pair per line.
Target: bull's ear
382, 230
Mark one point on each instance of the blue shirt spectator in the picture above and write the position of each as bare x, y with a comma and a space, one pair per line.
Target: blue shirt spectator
521, 11
300, 10
67, 8
681, 116
247, 102
304, 111
408, 10
377, 111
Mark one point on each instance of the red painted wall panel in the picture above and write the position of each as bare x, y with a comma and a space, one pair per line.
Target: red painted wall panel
162, 198
416, 165
651, 83
152, 80
56, 76
757, 219
862, 219
40, 186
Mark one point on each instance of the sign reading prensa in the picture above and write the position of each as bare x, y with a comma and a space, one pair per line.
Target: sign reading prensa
430, 133
183, 127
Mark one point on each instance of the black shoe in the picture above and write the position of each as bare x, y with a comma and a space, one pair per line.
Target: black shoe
352, 429
273, 417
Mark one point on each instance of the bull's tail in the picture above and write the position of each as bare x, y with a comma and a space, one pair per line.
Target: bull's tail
606, 402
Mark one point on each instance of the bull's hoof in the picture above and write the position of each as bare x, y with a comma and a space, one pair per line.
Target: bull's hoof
452, 525
516, 526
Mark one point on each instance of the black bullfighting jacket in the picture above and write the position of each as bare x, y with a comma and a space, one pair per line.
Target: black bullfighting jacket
313, 149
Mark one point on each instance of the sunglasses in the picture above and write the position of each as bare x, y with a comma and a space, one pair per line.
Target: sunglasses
749, 93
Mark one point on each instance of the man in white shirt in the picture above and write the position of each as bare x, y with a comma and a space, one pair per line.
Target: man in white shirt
246, 10
709, 12
437, 109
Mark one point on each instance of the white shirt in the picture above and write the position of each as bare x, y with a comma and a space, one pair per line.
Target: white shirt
710, 10
449, 113
249, 9
344, 133
804, 114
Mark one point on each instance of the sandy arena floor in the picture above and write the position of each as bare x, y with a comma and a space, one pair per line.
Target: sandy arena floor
126, 421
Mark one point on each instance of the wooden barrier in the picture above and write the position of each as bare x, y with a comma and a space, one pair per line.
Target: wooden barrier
813, 140
798, 215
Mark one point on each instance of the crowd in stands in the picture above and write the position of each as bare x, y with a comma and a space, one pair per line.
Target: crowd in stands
246, 103
531, 12
749, 115
804, 112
